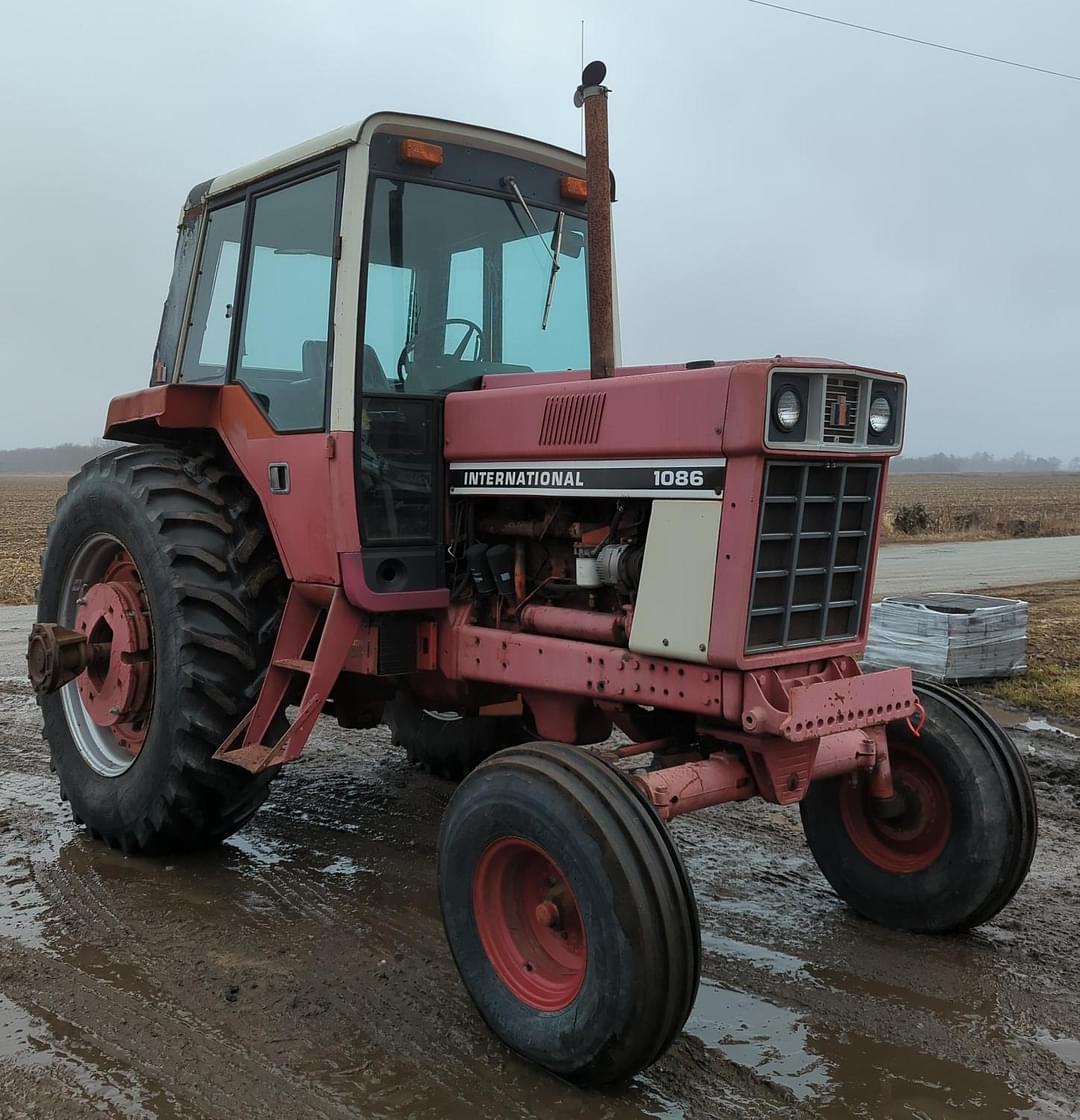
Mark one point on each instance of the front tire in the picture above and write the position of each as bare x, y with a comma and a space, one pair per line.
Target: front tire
963, 843
180, 541
569, 913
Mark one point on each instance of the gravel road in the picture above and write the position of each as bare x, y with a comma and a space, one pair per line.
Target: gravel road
912, 569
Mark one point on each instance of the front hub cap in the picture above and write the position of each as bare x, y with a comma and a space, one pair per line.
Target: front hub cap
915, 832
529, 924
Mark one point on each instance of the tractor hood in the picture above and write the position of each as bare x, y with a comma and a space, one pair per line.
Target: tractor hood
639, 412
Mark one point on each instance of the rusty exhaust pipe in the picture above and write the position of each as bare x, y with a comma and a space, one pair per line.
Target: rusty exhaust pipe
593, 96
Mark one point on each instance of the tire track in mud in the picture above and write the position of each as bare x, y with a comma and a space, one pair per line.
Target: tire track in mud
369, 1021
74, 972
122, 1029
302, 970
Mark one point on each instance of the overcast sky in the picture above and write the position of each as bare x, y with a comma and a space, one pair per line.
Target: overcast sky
785, 185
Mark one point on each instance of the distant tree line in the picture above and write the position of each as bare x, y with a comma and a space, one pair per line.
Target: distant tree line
67, 458
981, 462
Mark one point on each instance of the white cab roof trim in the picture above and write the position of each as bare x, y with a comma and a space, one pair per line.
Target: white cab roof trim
424, 128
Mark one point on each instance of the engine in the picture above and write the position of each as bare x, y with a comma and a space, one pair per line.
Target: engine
578, 554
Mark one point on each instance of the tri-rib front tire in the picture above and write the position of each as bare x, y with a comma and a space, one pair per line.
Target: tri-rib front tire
569, 913
964, 839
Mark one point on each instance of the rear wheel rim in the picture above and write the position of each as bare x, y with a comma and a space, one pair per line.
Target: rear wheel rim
529, 924
107, 708
913, 840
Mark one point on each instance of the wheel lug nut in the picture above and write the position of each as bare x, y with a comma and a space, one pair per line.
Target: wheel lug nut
547, 913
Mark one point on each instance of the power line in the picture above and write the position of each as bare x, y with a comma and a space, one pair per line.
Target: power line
921, 42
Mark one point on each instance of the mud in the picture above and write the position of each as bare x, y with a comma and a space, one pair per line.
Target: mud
301, 970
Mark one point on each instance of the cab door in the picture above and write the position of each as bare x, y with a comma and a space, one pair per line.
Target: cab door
261, 329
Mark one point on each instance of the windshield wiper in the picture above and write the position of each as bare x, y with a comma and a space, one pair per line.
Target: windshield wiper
557, 239
510, 182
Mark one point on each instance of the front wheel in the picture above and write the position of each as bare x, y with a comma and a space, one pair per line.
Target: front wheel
568, 912
963, 839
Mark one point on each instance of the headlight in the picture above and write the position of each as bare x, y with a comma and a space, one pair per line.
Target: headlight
880, 415
787, 409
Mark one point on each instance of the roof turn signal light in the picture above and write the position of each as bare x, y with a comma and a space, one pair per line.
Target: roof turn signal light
418, 151
577, 189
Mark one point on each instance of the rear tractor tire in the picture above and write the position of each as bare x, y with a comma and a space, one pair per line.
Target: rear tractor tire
964, 837
447, 744
569, 912
164, 554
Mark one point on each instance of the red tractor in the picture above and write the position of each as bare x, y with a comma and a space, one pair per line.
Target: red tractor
388, 468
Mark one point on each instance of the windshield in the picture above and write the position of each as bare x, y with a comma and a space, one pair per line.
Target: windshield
458, 287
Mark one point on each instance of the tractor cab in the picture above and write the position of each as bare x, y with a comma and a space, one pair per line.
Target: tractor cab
349, 284
465, 260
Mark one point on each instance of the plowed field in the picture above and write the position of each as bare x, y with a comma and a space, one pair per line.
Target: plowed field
977, 506
26, 506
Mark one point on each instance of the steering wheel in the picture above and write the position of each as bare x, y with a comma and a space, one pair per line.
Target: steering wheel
473, 330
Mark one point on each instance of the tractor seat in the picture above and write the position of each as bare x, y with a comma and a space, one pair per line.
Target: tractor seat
373, 376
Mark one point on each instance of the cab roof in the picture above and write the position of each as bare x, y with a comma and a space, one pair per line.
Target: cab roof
361, 132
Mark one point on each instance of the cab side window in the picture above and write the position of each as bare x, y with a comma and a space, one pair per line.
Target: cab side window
284, 355
209, 330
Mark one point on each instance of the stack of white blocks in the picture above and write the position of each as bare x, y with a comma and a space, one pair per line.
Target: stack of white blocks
950, 636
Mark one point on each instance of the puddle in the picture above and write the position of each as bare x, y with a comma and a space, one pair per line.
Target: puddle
15, 1030
763, 1036
27, 1042
846, 1074
27, 841
1046, 725
258, 847
1067, 1049
781, 964
1025, 721
343, 865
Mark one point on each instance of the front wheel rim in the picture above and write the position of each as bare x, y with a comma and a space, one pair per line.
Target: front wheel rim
916, 838
529, 924
107, 708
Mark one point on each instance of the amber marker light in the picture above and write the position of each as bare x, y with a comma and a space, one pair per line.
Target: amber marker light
577, 189
417, 151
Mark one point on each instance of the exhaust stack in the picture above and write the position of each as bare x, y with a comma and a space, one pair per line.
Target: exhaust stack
593, 96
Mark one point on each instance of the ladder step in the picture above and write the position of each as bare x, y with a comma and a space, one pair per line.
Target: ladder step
293, 664
254, 757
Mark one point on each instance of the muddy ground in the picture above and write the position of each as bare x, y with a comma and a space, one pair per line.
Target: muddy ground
301, 971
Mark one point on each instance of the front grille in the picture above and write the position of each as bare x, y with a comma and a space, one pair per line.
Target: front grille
817, 522
841, 409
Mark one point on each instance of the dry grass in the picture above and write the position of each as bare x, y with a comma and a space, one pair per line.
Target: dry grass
1052, 682
981, 506
26, 507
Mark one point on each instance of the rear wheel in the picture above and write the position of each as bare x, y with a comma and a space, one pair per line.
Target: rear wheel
568, 912
961, 840
447, 744
162, 558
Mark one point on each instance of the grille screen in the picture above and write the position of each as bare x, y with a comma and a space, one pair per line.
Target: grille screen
817, 521
841, 409
574, 418
397, 645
